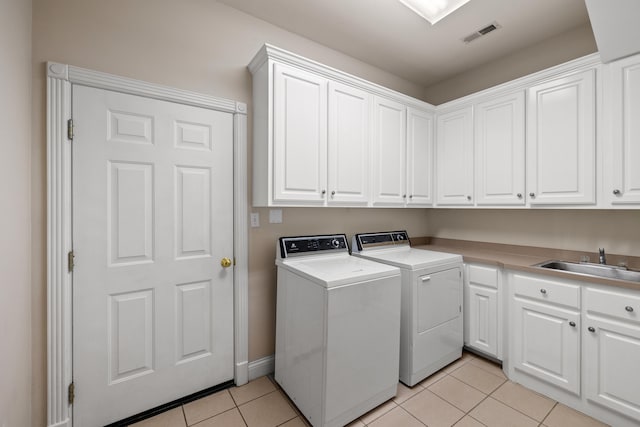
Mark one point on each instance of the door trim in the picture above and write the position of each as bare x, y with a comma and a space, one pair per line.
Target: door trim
60, 78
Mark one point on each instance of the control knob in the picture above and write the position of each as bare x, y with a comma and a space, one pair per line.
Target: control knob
335, 243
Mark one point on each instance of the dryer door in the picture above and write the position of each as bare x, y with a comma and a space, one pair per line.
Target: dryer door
439, 299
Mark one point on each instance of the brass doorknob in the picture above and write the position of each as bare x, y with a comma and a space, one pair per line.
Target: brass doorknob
225, 262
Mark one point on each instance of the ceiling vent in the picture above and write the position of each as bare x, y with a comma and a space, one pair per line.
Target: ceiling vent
482, 32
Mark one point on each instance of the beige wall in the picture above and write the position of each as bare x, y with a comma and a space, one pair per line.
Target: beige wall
198, 45
15, 280
583, 230
556, 50
204, 46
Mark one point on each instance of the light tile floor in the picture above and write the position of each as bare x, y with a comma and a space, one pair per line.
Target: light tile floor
468, 393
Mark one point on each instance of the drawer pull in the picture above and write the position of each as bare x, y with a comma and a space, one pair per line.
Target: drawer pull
543, 291
629, 308
425, 278
572, 324
591, 329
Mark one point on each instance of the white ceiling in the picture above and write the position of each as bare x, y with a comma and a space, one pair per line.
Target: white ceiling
388, 35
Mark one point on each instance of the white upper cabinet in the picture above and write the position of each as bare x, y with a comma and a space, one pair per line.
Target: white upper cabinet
419, 157
500, 151
561, 167
299, 136
389, 152
349, 128
454, 157
325, 138
622, 177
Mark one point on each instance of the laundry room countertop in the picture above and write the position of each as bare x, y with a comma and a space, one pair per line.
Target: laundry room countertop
525, 258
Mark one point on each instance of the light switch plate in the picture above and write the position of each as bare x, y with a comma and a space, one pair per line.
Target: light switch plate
255, 219
275, 216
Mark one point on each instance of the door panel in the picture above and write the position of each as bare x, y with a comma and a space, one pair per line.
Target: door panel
299, 135
152, 217
349, 142
454, 158
561, 144
546, 345
389, 155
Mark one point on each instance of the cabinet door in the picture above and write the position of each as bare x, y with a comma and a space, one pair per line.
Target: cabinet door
482, 318
299, 136
454, 158
348, 169
611, 355
499, 151
389, 154
419, 157
624, 167
546, 345
561, 141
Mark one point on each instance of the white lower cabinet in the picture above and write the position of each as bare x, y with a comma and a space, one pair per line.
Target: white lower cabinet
611, 351
483, 310
576, 343
546, 336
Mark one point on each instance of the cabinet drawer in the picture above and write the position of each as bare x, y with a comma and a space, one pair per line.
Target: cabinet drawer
482, 275
618, 304
550, 291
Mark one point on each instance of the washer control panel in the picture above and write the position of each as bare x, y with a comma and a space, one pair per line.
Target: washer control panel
363, 241
306, 245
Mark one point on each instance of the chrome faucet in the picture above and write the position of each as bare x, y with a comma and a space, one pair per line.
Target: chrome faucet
602, 259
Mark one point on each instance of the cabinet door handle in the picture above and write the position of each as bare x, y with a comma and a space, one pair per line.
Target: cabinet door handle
591, 329
411, 196
425, 278
469, 198
532, 195
572, 324
543, 291
616, 192
333, 193
404, 196
519, 195
629, 308
324, 192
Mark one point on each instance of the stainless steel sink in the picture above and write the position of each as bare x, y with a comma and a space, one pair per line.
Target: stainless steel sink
598, 270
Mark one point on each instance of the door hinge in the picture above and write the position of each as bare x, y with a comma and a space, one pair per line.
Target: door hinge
70, 129
70, 260
71, 393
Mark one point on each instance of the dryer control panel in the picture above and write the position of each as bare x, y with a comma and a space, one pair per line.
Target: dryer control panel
307, 245
363, 241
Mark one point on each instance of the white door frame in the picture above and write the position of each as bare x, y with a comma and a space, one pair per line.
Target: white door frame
60, 78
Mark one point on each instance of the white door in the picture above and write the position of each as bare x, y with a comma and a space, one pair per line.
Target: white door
454, 158
419, 157
547, 343
389, 144
299, 136
611, 355
561, 143
152, 218
348, 152
499, 151
623, 177
482, 317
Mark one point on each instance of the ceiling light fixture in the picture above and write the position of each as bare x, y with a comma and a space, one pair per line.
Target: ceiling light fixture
433, 10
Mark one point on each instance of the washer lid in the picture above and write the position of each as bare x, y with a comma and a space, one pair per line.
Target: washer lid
410, 258
337, 270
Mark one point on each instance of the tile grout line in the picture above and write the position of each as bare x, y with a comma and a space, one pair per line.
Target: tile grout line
549, 413
416, 418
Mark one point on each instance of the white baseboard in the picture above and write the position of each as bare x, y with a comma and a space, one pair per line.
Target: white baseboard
261, 367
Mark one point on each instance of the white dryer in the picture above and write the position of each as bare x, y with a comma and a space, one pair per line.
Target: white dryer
337, 329
431, 334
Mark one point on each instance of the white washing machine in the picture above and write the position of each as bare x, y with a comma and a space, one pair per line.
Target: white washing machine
337, 329
431, 333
